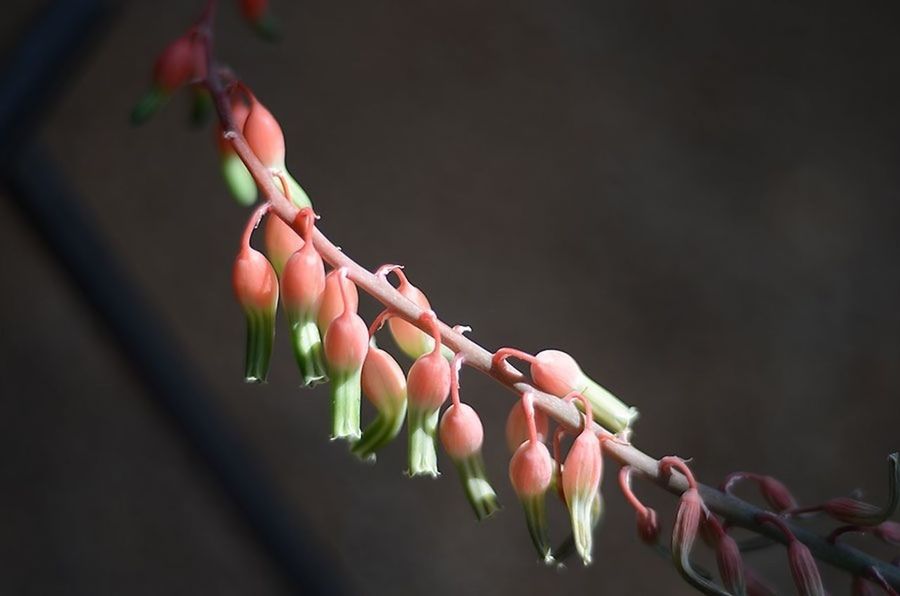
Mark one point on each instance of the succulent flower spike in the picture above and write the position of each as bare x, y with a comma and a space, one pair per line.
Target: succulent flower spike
346, 345
259, 16
427, 387
517, 426
410, 339
332, 302
263, 134
728, 558
647, 519
581, 474
177, 65
237, 177
557, 373
773, 490
302, 284
256, 289
803, 566
462, 436
531, 474
384, 385
691, 511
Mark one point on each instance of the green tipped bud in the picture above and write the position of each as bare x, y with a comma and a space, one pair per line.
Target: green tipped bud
238, 179
462, 435
384, 385
422, 425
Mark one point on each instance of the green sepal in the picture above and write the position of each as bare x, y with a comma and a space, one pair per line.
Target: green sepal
346, 396
536, 519
258, 353
609, 411
380, 432
307, 344
422, 425
238, 179
148, 106
479, 492
567, 547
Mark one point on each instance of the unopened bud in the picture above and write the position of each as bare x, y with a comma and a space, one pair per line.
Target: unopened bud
302, 283
888, 532
384, 385
776, 494
581, 484
281, 241
558, 373
256, 289
517, 427
531, 473
728, 558
410, 339
462, 435
179, 63
648, 526
266, 140
346, 344
332, 301
258, 15
804, 570
428, 386
853, 511
237, 177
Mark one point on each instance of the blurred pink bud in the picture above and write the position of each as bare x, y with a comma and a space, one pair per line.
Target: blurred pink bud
461, 431
581, 483
728, 557
687, 524
531, 470
804, 570
263, 134
517, 427
852, 511
254, 281
332, 302
648, 526
409, 338
428, 382
888, 531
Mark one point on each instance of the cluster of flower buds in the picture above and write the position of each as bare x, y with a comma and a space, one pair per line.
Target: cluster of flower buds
181, 62
557, 373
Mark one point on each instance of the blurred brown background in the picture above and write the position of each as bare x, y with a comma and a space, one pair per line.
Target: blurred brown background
697, 200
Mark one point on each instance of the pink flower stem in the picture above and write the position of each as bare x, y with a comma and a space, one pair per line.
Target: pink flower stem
736, 511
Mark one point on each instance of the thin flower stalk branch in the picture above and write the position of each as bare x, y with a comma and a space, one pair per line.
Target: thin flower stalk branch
736, 511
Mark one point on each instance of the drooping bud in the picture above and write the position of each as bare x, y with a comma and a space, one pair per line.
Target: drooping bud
264, 136
427, 386
776, 494
302, 283
559, 374
237, 178
178, 64
517, 427
346, 344
410, 339
259, 16
281, 241
531, 473
728, 558
256, 289
647, 519
332, 302
581, 474
384, 385
888, 532
803, 565
462, 436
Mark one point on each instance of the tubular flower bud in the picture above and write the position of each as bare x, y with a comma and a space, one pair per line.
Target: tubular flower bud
346, 344
332, 301
263, 134
581, 474
462, 436
888, 532
410, 339
773, 490
302, 283
728, 558
428, 385
281, 241
517, 427
237, 178
531, 474
259, 16
558, 373
178, 64
384, 385
647, 520
803, 565
256, 289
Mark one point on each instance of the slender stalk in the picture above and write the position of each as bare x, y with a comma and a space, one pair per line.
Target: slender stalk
736, 511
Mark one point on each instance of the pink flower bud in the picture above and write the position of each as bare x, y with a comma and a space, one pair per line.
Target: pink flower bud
346, 344
461, 431
728, 557
804, 570
281, 241
517, 427
888, 532
531, 473
238, 179
648, 526
177, 65
264, 135
409, 338
684, 532
853, 511
332, 301
256, 289
776, 494
384, 385
427, 388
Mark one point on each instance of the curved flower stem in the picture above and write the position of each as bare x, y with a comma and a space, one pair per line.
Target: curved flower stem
736, 511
